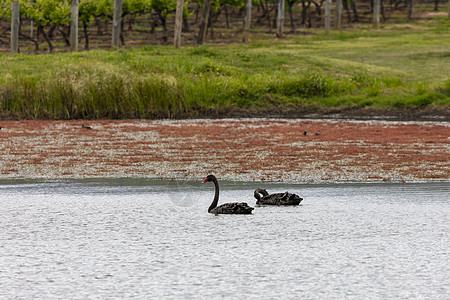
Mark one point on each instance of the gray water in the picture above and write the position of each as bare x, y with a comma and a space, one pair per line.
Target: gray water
143, 239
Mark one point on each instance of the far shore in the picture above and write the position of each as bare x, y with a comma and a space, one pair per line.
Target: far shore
280, 150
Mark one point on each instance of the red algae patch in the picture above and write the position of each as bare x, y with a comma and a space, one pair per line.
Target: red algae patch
259, 149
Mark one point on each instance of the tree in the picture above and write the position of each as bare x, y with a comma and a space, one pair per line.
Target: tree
87, 9
15, 22
247, 20
48, 13
411, 9
280, 18
327, 16
74, 25
290, 4
162, 9
204, 21
117, 20
338, 14
376, 14
178, 24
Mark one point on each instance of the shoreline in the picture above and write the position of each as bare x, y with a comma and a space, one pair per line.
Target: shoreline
266, 150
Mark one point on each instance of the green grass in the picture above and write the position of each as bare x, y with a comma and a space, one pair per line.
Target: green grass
392, 68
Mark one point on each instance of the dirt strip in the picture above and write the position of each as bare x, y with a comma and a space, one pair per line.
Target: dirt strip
248, 149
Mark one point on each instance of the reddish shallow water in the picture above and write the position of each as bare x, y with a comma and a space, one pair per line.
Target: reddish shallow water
272, 150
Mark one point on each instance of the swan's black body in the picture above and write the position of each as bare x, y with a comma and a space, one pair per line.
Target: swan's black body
276, 199
227, 208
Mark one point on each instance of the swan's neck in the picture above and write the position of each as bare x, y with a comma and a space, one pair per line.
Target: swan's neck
216, 196
257, 196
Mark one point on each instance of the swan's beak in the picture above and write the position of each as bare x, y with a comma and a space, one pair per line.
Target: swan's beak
205, 180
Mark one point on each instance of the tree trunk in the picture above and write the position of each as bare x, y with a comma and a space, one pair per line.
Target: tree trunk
347, 9
448, 9
355, 11
327, 16
15, 24
74, 26
178, 24
410, 9
227, 19
280, 18
247, 20
436, 5
185, 25
376, 14
86, 37
338, 14
210, 26
291, 17
46, 38
116, 23
204, 22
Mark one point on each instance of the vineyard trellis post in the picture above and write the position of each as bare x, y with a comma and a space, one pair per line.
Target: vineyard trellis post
247, 20
178, 24
280, 18
117, 15
338, 14
74, 25
327, 16
31, 23
376, 14
15, 23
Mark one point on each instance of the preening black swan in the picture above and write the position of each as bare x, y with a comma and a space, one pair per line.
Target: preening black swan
227, 208
276, 199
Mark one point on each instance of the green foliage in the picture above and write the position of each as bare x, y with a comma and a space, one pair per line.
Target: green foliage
164, 6
5, 9
136, 6
48, 12
86, 11
309, 85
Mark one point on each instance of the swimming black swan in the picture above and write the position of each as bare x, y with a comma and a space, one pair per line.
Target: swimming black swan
227, 208
276, 199
86, 127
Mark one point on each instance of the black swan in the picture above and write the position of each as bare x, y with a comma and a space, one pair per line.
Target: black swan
86, 127
276, 199
227, 208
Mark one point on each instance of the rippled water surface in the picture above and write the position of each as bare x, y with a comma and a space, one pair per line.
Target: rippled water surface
143, 239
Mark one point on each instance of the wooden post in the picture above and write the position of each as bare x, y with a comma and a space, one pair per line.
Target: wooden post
204, 22
247, 20
31, 24
449, 9
117, 16
280, 18
15, 22
338, 14
74, 25
376, 14
327, 16
178, 24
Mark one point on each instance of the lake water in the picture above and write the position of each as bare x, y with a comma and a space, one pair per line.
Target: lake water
144, 239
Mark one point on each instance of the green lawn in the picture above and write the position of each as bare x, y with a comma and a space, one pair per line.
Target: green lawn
396, 67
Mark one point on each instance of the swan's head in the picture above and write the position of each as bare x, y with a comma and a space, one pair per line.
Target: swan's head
209, 178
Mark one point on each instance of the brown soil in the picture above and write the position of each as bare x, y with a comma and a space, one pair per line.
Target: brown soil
273, 150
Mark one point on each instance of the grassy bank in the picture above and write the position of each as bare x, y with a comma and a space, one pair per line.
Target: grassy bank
399, 67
